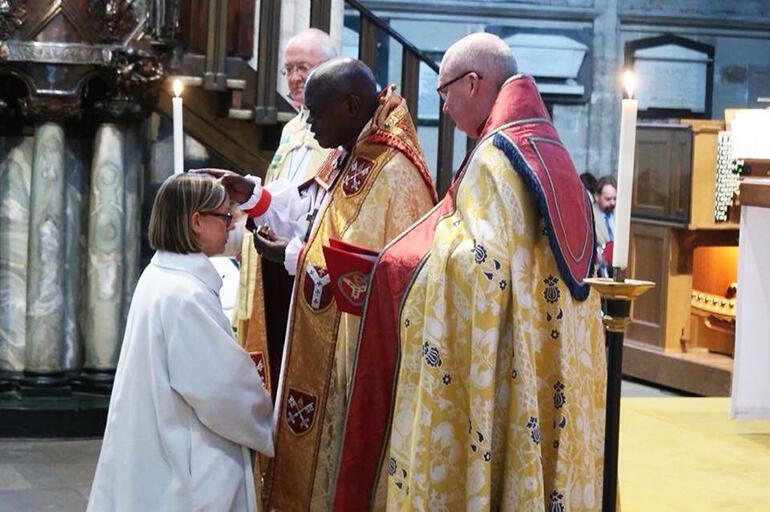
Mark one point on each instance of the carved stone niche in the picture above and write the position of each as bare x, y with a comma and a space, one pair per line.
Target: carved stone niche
136, 76
111, 20
13, 14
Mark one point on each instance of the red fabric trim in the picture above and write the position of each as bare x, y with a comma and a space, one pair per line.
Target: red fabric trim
370, 408
559, 186
262, 205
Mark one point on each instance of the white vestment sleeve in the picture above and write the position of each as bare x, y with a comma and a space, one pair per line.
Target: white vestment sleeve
214, 375
287, 211
291, 255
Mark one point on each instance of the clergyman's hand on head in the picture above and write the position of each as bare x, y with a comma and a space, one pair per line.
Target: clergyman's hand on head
269, 245
238, 188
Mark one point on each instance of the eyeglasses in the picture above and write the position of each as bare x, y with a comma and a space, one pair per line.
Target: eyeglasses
302, 69
441, 90
227, 216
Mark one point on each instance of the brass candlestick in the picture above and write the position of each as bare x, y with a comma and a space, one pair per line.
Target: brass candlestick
618, 294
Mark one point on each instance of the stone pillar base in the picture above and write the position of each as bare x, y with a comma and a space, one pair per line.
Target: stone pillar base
95, 381
44, 383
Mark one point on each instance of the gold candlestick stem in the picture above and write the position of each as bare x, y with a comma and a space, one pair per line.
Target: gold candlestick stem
618, 296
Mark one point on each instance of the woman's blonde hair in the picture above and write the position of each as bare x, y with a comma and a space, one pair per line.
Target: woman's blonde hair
179, 197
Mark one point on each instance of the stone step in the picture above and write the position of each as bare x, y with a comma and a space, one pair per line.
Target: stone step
240, 113
236, 83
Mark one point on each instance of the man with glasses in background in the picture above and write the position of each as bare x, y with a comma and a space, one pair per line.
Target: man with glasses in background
296, 161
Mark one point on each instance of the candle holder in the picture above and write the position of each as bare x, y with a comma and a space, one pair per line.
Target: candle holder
618, 294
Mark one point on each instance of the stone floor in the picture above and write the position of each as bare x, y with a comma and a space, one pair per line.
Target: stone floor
55, 475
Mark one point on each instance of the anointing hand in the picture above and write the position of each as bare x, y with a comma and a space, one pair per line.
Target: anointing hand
238, 188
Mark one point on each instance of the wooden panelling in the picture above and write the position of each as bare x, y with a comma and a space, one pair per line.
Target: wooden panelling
662, 173
649, 248
700, 372
660, 317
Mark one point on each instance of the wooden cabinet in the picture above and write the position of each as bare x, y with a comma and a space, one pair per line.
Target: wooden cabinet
672, 340
662, 172
660, 317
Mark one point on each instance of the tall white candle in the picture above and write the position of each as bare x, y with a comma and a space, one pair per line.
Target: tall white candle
625, 176
176, 102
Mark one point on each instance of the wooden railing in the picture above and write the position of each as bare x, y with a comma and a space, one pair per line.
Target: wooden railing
369, 31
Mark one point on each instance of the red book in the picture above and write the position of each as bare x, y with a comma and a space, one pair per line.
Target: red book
350, 268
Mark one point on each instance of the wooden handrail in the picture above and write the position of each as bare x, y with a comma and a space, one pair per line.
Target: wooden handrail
412, 57
265, 111
380, 24
214, 76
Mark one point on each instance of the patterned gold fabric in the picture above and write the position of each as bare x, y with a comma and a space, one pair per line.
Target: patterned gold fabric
500, 396
379, 193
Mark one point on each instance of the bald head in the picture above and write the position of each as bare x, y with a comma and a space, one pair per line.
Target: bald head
318, 42
486, 54
341, 96
471, 74
342, 76
304, 51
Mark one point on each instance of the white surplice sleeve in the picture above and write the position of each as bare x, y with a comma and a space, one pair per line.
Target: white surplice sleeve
214, 375
287, 210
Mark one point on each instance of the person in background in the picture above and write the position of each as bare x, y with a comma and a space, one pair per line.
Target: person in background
605, 196
589, 182
187, 405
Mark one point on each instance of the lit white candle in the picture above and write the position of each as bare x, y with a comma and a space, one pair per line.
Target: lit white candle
625, 176
176, 102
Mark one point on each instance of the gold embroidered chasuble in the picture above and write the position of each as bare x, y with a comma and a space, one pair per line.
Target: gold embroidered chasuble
295, 134
382, 189
500, 399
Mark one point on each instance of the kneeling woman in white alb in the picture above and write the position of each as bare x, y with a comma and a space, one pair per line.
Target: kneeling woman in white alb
187, 404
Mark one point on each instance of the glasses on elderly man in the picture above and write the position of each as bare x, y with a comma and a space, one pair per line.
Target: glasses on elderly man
441, 89
302, 69
227, 216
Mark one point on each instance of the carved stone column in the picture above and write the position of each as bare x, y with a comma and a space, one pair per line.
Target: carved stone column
134, 168
45, 268
77, 159
105, 259
15, 175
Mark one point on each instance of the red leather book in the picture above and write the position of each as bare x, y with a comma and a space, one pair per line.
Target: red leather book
350, 268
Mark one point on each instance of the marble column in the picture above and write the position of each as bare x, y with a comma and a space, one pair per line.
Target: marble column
134, 165
105, 263
78, 153
45, 264
15, 175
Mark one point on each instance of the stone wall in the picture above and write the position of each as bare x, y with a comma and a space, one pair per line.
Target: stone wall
739, 32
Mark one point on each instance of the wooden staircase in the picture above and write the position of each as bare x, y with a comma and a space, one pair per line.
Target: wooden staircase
236, 111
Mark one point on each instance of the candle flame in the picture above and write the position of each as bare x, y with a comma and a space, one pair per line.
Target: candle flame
177, 87
629, 80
